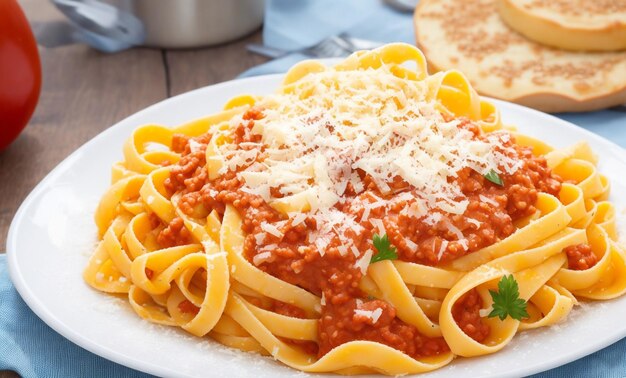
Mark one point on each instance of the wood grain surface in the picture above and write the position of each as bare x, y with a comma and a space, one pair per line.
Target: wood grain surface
85, 91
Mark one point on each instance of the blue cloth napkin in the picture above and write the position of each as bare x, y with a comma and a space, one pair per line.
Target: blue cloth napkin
32, 349
290, 25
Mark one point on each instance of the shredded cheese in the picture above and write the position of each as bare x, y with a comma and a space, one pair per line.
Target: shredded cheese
484, 312
271, 229
364, 262
371, 121
259, 238
464, 244
321, 243
455, 230
442, 249
411, 245
488, 200
374, 315
194, 146
262, 257
298, 218
379, 225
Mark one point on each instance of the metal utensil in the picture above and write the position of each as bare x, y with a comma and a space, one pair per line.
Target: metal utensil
194, 23
334, 46
406, 6
103, 20
96, 23
114, 25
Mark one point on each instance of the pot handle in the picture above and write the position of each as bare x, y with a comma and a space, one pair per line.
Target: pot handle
100, 25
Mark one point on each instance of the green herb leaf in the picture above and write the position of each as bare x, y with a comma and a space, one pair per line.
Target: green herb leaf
494, 177
506, 301
385, 250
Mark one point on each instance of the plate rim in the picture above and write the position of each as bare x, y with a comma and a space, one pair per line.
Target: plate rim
141, 365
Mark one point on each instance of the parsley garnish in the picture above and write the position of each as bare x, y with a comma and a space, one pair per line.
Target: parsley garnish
385, 250
506, 301
494, 177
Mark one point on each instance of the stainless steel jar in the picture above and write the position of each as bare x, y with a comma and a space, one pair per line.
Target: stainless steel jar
115, 25
193, 23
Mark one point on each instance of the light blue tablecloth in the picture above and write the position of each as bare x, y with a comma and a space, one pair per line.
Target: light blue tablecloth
32, 349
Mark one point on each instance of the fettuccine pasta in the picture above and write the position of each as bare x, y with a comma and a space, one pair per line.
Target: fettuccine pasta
360, 219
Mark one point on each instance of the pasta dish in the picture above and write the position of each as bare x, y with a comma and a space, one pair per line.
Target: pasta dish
363, 218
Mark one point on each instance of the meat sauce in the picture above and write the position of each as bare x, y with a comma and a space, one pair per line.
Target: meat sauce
489, 217
580, 256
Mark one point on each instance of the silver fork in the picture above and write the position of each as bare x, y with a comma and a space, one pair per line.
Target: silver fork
331, 47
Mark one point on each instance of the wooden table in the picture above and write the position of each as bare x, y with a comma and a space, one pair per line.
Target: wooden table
85, 91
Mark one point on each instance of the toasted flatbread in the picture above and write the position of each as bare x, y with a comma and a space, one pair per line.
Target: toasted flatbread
578, 25
499, 62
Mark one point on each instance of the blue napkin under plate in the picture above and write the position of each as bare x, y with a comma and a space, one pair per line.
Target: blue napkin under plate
32, 349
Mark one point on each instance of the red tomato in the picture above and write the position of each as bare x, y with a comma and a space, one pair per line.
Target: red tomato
20, 72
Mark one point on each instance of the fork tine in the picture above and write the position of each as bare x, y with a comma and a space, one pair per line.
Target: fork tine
322, 47
334, 46
330, 49
326, 48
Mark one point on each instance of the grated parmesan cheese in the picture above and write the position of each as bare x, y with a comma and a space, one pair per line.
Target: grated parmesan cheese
259, 238
262, 257
298, 218
378, 223
271, 229
373, 315
484, 312
442, 249
464, 244
372, 121
364, 262
455, 230
474, 222
194, 146
321, 243
366, 213
411, 245
488, 200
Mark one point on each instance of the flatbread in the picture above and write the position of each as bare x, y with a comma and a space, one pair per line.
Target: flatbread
499, 62
578, 25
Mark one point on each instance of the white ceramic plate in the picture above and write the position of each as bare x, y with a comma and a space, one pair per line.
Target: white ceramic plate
53, 235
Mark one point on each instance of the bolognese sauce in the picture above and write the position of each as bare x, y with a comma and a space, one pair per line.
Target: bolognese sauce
289, 250
580, 256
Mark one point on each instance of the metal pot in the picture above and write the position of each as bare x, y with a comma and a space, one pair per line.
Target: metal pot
193, 23
113, 25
